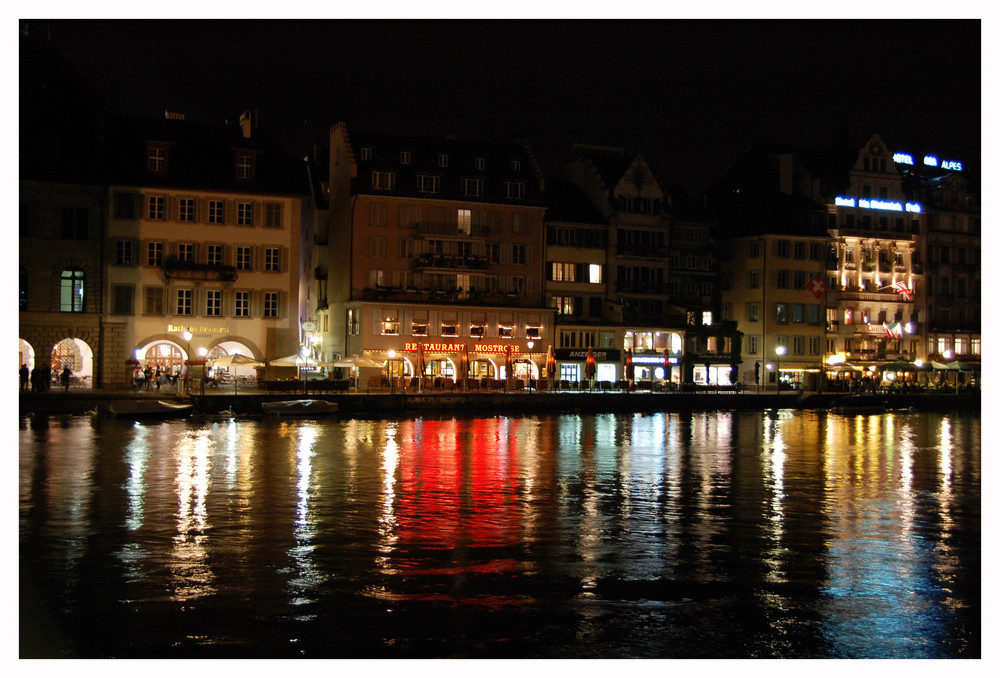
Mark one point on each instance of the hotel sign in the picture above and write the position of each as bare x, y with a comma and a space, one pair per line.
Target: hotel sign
197, 330
884, 205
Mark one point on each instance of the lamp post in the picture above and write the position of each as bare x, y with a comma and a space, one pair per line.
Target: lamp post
392, 377
202, 352
779, 351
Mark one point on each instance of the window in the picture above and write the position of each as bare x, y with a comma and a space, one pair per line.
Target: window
814, 345
418, 329
366, 153
377, 214
753, 345
505, 331
153, 301
216, 211
75, 223
518, 253
376, 246
814, 311
244, 214
409, 215
442, 159
563, 272
214, 255
798, 280
449, 330
594, 272
272, 259
480, 163
376, 277
404, 157
244, 258
799, 250
186, 209
755, 248
125, 205
122, 299
270, 304
156, 207
213, 302
515, 165
244, 166
390, 326
532, 332
123, 253
493, 252
513, 190
242, 308
753, 279
185, 251
798, 313
798, 345
464, 220
428, 184
184, 301
156, 159
781, 312
273, 215
814, 251
782, 280
71, 291
384, 181
472, 187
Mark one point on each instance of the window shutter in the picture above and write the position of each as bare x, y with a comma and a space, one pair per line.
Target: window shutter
284, 260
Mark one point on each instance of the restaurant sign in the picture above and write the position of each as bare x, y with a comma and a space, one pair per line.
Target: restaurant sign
442, 347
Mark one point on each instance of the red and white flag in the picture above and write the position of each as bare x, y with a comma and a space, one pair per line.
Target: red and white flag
903, 290
817, 286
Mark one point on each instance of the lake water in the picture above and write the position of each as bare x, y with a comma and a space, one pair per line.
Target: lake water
717, 534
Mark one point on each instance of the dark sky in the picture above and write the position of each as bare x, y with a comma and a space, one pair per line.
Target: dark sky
691, 96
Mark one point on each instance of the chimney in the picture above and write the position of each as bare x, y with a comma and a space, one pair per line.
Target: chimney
245, 120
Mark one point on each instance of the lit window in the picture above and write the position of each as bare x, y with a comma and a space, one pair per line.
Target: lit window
706, 317
506, 331
465, 221
390, 326
71, 291
595, 273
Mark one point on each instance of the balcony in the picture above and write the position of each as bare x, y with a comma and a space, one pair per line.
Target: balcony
182, 269
446, 296
425, 262
452, 230
854, 294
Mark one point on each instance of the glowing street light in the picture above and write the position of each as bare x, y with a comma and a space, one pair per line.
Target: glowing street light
779, 351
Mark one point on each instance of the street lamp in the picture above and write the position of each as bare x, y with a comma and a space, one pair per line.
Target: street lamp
779, 351
202, 352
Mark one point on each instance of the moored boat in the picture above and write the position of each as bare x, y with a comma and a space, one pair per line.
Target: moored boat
300, 408
141, 408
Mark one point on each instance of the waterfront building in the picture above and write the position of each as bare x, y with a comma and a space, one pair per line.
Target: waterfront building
637, 310
61, 249
203, 243
876, 304
772, 246
429, 257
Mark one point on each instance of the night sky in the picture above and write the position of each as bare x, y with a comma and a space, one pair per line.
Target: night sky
691, 96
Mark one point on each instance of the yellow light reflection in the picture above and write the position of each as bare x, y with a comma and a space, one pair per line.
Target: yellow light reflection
191, 575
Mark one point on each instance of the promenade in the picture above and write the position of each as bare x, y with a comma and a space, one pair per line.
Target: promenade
385, 403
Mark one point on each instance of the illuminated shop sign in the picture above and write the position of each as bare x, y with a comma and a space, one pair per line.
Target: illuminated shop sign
603, 355
883, 205
929, 161
430, 347
649, 360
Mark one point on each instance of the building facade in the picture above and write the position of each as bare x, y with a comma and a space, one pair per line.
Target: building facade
203, 244
430, 260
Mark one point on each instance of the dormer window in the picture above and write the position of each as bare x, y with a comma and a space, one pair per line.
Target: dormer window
404, 157
480, 163
244, 166
442, 159
156, 158
515, 165
366, 153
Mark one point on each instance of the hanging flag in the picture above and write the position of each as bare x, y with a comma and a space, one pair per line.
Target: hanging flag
903, 290
895, 330
817, 286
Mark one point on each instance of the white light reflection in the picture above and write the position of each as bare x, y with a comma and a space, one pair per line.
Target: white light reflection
773, 467
388, 524
191, 575
307, 576
947, 450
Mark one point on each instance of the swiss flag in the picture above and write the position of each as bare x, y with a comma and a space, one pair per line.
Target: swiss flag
817, 286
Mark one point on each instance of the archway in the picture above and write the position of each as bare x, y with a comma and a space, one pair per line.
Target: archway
77, 355
26, 354
230, 372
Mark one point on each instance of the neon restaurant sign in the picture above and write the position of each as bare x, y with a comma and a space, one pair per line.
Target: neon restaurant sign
883, 205
430, 347
929, 161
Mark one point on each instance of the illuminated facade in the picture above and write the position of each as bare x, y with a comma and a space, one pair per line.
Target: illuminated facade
429, 256
203, 243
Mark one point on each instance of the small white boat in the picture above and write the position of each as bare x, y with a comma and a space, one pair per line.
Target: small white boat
141, 408
300, 408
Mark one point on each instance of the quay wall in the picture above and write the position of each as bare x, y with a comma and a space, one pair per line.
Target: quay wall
437, 404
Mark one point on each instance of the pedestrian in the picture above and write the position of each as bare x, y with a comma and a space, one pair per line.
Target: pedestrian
64, 378
159, 377
46, 380
23, 373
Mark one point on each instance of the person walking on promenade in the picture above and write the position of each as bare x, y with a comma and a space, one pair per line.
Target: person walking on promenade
64, 378
23, 374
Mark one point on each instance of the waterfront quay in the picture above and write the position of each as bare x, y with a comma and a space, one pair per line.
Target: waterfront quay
385, 402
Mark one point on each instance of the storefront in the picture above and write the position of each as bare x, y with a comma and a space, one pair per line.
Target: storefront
455, 361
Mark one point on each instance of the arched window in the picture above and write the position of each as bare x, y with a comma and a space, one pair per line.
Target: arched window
71, 291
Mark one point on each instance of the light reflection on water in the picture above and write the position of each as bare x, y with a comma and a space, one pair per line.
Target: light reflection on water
777, 534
